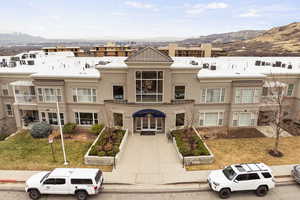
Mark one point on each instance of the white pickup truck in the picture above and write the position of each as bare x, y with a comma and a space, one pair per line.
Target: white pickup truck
76, 181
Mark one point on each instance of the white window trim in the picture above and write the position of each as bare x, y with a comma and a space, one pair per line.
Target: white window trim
253, 118
79, 124
156, 86
184, 121
5, 87
287, 90
7, 111
47, 116
44, 95
205, 95
76, 94
174, 90
255, 98
114, 119
113, 90
221, 114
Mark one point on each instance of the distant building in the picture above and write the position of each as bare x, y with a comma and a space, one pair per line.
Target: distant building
204, 50
111, 49
75, 50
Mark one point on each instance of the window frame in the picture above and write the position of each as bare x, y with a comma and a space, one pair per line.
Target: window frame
239, 98
9, 112
95, 118
176, 121
42, 96
220, 117
204, 95
184, 93
114, 121
236, 117
113, 95
92, 96
157, 94
5, 87
288, 92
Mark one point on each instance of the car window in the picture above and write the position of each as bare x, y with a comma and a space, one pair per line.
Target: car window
253, 176
266, 175
242, 177
229, 173
49, 181
81, 181
60, 181
98, 176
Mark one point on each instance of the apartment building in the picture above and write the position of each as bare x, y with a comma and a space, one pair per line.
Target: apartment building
147, 91
75, 50
111, 49
204, 50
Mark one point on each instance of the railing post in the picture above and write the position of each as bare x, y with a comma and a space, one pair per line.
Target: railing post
183, 161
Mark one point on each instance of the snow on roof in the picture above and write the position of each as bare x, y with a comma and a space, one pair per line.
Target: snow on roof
64, 64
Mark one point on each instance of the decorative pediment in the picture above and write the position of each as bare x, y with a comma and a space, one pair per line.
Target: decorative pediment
149, 55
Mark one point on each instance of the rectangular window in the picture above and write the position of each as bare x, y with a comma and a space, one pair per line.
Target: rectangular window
149, 86
83, 118
81, 181
211, 119
213, 95
180, 92
84, 95
118, 119
180, 119
43, 116
247, 95
49, 95
290, 90
118, 92
5, 90
244, 119
9, 110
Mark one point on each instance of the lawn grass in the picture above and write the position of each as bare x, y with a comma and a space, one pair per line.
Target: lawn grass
250, 150
22, 152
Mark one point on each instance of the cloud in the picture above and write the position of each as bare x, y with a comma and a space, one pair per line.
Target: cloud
119, 13
196, 9
135, 4
251, 13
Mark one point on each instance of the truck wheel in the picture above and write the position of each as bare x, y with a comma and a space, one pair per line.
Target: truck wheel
81, 195
34, 194
224, 193
261, 191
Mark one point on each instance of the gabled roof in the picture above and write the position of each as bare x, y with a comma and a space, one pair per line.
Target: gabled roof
149, 54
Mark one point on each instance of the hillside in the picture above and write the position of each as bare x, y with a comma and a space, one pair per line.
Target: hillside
19, 38
278, 41
224, 37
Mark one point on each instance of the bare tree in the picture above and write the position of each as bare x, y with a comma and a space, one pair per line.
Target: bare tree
276, 90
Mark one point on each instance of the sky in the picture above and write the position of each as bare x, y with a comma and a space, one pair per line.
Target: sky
138, 19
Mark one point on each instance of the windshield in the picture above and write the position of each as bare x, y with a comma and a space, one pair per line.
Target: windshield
229, 173
46, 175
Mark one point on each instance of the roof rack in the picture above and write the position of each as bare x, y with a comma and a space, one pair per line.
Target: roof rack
257, 165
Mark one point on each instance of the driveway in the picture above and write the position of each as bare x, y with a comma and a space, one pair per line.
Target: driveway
148, 160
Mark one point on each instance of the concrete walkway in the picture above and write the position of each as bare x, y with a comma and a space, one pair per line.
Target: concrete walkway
148, 159
268, 131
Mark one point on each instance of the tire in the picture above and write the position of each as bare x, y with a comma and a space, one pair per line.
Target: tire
81, 195
224, 193
261, 191
34, 194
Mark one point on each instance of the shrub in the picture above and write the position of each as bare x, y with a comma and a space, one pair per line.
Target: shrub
40, 130
101, 153
110, 153
3, 136
96, 128
69, 128
93, 151
116, 149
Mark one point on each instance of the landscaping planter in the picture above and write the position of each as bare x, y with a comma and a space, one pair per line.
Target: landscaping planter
105, 159
197, 159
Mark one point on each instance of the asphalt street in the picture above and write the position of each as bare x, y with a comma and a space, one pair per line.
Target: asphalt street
290, 192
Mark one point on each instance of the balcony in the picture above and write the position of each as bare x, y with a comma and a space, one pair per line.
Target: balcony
173, 102
25, 99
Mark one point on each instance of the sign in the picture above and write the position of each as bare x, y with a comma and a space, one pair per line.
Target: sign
50, 140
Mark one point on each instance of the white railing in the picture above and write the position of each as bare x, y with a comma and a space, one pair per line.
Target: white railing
20, 98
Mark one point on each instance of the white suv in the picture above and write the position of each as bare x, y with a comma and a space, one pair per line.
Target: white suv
76, 181
241, 177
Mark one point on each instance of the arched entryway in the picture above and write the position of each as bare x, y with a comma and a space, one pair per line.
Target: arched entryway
149, 121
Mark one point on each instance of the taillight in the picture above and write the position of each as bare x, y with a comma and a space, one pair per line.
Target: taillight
95, 187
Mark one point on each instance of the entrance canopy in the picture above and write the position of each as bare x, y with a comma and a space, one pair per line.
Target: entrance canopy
154, 113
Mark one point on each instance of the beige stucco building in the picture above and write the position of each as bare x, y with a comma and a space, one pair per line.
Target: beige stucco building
145, 92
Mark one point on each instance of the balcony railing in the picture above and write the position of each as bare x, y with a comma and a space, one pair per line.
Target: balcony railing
25, 99
173, 102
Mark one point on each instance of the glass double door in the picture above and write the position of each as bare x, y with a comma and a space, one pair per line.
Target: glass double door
149, 123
